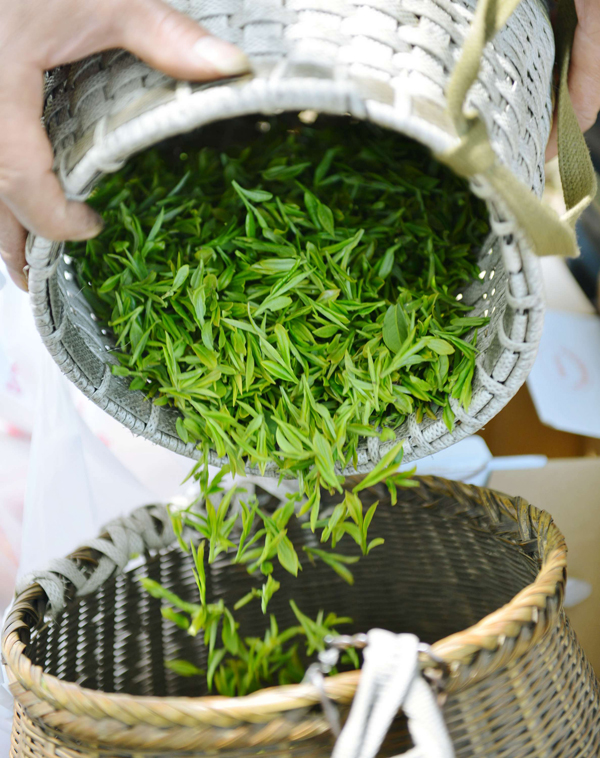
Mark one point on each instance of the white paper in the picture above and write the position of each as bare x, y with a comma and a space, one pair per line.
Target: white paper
565, 380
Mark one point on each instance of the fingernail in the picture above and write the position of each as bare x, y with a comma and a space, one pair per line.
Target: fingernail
225, 58
93, 228
96, 222
19, 278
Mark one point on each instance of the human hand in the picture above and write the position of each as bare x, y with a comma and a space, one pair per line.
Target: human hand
36, 35
584, 70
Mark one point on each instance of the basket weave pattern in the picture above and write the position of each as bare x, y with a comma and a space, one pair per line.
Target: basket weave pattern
476, 573
387, 61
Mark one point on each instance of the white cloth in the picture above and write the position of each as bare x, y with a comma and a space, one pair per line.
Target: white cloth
66, 467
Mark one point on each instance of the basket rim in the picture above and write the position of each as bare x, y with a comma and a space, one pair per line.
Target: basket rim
167, 112
505, 634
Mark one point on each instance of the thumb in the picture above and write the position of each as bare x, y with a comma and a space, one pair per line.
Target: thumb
173, 43
12, 246
552, 146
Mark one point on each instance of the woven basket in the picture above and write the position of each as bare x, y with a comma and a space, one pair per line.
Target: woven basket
387, 61
476, 573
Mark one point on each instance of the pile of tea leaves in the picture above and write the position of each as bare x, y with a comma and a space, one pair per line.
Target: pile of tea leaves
230, 521
237, 664
292, 295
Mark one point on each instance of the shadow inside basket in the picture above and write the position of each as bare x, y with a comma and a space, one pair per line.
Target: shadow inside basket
438, 572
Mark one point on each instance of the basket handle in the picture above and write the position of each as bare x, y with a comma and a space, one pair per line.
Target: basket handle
390, 679
548, 233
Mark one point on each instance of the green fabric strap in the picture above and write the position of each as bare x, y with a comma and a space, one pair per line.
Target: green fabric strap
548, 234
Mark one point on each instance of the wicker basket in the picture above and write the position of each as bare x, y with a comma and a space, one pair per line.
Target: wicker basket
476, 573
387, 61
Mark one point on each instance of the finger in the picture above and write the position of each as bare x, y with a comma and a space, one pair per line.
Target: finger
552, 146
12, 246
584, 77
584, 71
174, 43
28, 186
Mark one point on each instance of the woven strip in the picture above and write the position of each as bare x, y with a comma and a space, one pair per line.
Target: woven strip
147, 528
558, 727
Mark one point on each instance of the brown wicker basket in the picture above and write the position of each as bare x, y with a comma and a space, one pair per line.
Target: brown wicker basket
478, 574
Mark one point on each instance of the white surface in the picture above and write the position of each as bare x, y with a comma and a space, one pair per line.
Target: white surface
561, 290
576, 591
470, 461
565, 381
465, 461
65, 467
75, 483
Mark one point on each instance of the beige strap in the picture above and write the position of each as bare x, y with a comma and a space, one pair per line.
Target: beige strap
548, 234
490, 16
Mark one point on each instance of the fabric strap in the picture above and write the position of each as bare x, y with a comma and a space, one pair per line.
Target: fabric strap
548, 234
390, 680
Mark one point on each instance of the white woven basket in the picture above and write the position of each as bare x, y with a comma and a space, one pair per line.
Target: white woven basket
387, 61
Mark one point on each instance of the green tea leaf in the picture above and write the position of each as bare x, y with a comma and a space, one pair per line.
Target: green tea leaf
336, 561
395, 327
284, 173
325, 216
214, 660
325, 164
440, 346
268, 590
183, 668
324, 461
386, 466
287, 556
177, 618
375, 543
255, 196
181, 276
156, 590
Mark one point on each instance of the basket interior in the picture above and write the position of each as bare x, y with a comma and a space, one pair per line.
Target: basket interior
484, 295
91, 342
436, 574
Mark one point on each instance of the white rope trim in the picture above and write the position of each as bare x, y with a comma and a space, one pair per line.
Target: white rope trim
100, 132
104, 384
152, 424
129, 536
48, 271
512, 345
373, 448
79, 197
418, 439
498, 390
390, 680
57, 335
